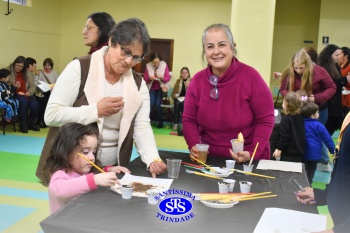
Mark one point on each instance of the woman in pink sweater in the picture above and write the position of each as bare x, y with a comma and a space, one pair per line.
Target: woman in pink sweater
226, 98
66, 173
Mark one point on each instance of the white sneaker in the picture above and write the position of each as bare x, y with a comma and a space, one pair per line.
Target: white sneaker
324, 167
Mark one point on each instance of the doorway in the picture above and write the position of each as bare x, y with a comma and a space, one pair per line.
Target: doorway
163, 46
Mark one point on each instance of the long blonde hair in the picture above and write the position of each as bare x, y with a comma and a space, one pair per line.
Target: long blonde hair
303, 58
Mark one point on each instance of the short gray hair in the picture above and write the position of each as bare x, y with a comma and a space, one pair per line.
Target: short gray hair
223, 27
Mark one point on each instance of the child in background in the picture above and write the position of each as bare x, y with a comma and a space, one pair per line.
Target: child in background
291, 141
315, 134
7, 101
66, 173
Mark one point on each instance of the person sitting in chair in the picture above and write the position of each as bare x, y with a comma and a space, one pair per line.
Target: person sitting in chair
179, 93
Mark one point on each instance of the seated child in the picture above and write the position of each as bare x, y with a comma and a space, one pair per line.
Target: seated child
66, 173
315, 134
7, 101
291, 142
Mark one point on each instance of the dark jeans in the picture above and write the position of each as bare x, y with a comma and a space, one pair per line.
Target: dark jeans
156, 100
24, 104
42, 103
310, 167
178, 110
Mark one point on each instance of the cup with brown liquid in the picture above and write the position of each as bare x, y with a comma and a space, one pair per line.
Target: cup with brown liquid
202, 152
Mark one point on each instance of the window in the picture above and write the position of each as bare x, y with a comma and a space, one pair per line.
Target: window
21, 2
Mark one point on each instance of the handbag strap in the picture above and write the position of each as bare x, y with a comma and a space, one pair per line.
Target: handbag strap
47, 80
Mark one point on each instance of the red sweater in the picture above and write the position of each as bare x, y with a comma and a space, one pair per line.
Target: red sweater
244, 105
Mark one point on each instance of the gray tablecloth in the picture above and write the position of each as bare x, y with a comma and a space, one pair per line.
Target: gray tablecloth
105, 211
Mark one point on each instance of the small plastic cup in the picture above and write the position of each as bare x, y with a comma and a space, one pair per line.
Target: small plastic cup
278, 158
151, 194
237, 146
245, 186
202, 152
127, 191
248, 168
174, 166
231, 184
223, 187
230, 164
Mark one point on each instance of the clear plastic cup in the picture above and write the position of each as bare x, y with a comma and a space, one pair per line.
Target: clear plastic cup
230, 164
245, 186
248, 168
202, 152
174, 166
127, 191
231, 184
237, 146
223, 187
151, 194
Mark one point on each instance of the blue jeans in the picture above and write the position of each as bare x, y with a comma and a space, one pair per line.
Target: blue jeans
24, 104
156, 101
323, 119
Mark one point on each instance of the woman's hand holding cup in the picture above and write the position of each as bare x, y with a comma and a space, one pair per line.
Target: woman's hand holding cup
240, 157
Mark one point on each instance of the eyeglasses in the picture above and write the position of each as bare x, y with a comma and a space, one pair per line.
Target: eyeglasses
214, 93
127, 53
88, 27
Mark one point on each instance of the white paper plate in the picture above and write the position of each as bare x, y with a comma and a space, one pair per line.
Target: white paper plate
214, 204
221, 172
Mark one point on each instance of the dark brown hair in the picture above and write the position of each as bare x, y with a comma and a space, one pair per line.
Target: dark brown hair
68, 139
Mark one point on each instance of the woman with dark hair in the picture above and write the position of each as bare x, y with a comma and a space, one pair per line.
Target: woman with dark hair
344, 63
112, 97
156, 76
328, 59
26, 88
49, 76
96, 30
179, 93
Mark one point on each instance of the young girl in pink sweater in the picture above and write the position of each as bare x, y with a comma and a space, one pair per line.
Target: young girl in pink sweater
66, 173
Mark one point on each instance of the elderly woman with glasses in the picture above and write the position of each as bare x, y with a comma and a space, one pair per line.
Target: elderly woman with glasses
226, 98
114, 98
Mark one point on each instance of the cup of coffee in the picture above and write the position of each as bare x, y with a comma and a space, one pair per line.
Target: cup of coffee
174, 166
127, 191
202, 152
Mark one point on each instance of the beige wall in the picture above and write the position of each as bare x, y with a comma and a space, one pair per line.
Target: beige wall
335, 23
35, 32
295, 21
183, 21
252, 24
54, 28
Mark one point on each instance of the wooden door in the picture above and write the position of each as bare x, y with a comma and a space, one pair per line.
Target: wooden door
163, 46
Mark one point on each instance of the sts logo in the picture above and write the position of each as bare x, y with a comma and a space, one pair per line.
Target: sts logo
174, 208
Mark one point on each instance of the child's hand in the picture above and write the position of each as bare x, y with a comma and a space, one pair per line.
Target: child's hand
106, 179
118, 169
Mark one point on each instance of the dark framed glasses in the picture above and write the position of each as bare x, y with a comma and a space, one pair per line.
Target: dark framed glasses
214, 93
